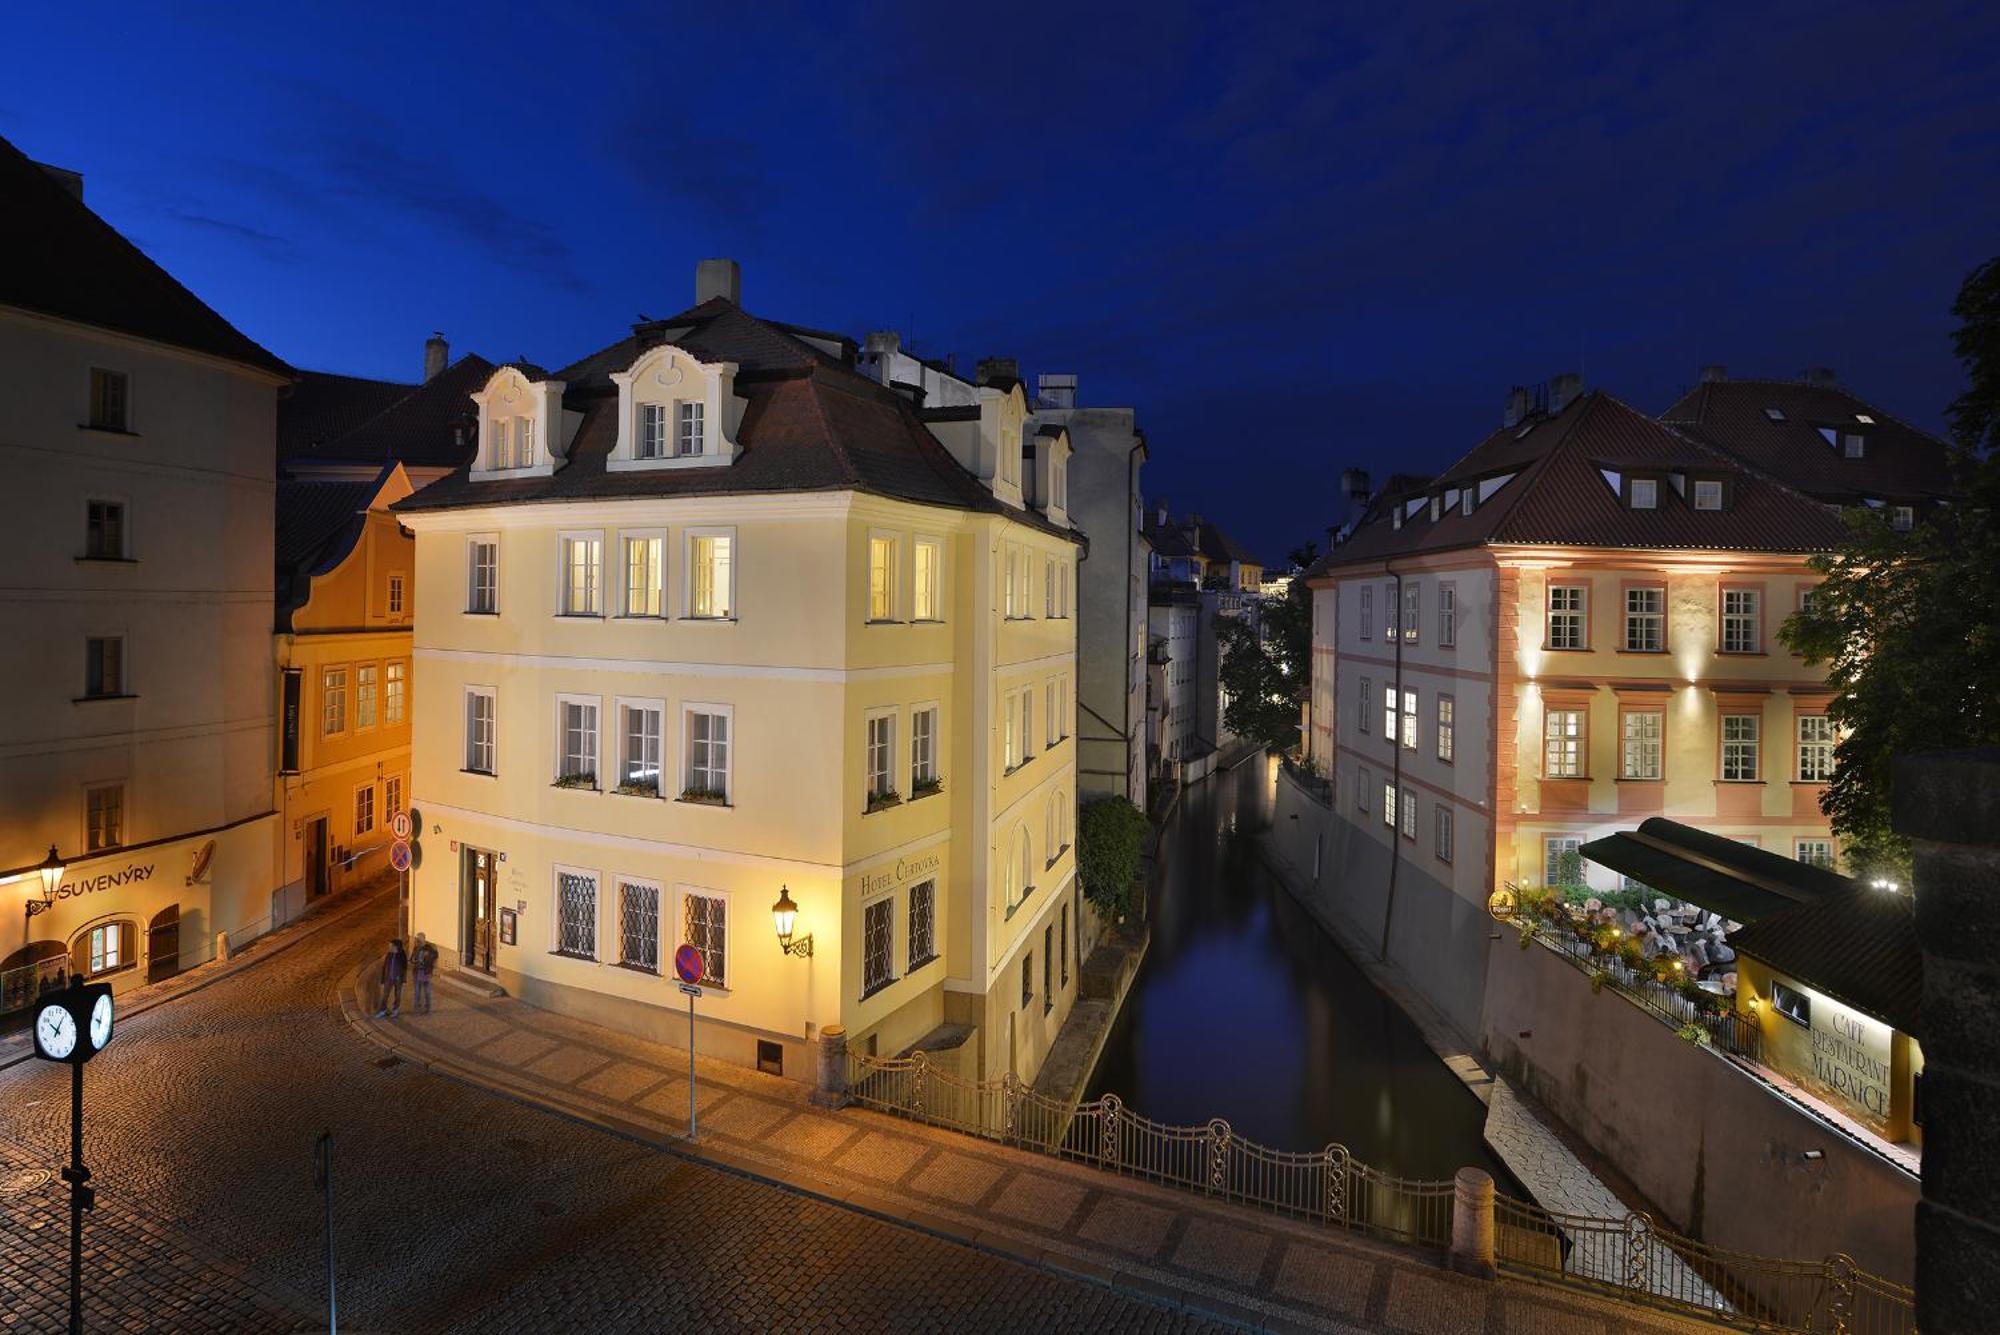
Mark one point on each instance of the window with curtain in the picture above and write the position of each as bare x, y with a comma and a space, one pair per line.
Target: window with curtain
710, 592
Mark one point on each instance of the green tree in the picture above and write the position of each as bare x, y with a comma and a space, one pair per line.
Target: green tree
1905, 622
1108, 834
1267, 676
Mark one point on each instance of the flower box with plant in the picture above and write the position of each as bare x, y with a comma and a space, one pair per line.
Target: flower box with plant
883, 800
708, 797
639, 788
926, 787
576, 781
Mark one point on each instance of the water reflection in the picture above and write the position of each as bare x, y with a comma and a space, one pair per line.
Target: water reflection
1246, 1009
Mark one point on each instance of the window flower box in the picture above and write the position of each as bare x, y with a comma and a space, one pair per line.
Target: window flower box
882, 801
707, 797
925, 788
639, 788
576, 781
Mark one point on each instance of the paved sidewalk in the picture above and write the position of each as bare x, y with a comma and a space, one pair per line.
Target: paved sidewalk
1225, 1261
19, 1045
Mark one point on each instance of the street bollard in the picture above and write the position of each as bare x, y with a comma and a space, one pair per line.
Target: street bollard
1472, 1224
830, 1089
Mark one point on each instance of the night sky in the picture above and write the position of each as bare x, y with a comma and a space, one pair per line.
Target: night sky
1295, 238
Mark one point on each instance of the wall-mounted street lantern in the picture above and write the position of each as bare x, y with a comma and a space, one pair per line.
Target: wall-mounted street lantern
785, 914
52, 873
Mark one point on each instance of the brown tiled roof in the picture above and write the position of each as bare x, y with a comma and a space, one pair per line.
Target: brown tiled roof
59, 258
317, 526
809, 424
432, 425
1859, 947
1901, 462
1557, 495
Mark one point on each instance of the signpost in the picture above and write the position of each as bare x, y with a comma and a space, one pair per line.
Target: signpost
688, 964
402, 856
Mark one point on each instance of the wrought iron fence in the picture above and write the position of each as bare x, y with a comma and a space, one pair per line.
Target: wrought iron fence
1327, 1185
1636, 1259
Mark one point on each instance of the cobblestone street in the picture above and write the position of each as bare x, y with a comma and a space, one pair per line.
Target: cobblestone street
455, 1209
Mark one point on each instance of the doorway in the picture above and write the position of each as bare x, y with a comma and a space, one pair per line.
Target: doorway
476, 895
315, 858
163, 944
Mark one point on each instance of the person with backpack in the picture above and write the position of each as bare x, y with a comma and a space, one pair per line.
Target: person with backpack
393, 965
423, 962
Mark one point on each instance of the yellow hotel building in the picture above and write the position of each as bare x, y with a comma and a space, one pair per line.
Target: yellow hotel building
713, 618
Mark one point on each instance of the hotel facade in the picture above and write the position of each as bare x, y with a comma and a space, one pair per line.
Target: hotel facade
714, 618
1575, 627
139, 720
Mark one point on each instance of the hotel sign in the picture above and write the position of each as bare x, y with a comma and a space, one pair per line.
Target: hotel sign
906, 869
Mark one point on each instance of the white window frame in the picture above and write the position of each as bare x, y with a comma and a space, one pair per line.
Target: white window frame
1447, 614
1645, 493
689, 709
627, 705
364, 809
1010, 732
1389, 806
105, 504
395, 691
1748, 745
1442, 833
919, 771
1801, 846
1553, 847
652, 430
682, 893
1050, 736
1645, 746
1563, 749
467, 754
1709, 490
1644, 620
890, 586
473, 542
367, 696
1027, 694
735, 559
1445, 709
595, 704
661, 898
935, 609
397, 585
1745, 625
1902, 518
331, 691
1409, 721
884, 903
1818, 749
626, 537
95, 421
879, 781
1576, 619
690, 413
556, 872
566, 591
93, 826
1413, 609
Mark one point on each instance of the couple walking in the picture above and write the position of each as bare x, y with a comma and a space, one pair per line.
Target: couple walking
419, 963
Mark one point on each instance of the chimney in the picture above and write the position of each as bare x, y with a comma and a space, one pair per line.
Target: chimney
1714, 373
997, 370
1160, 513
1517, 409
881, 342
64, 177
1820, 375
1565, 388
1055, 391
718, 278
437, 355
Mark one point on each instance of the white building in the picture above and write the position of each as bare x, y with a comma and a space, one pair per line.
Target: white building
139, 716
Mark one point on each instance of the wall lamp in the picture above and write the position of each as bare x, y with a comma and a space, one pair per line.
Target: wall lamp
785, 915
51, 872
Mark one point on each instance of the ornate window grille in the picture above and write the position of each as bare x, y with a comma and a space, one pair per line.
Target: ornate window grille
576, 914
705, 926
639, 926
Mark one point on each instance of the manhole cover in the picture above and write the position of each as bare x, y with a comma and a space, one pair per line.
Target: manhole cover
386, 1062
19, 1181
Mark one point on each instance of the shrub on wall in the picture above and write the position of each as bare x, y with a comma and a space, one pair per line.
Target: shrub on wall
1108, 834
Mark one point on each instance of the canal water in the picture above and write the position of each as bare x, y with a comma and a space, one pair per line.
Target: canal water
1246, 1009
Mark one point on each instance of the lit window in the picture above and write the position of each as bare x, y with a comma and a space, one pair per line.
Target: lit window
1389, 805
711, 579
1645, 493
577, 726
639, 750
576, 914
104, 817
707, 756
1645, 620
582, 564
1740, 736
1864, 419
1409, 720
1447, 615
1389, 713
1412, 609
364, 696
1406, 813
396, 690
645, 559
1815, 748
1707, 494
110, 947
1775, 414
705, 926
1640, 744
1562, 734
881, 578
1444, 727
1742, 611
1566, 626
1791, 1003
1814, 852
926, 602
333, 701
688, 438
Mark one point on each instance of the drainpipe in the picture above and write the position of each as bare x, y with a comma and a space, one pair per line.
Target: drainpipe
1395, 619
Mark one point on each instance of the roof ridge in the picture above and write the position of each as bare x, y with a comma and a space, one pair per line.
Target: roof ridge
1531, 472
833, 440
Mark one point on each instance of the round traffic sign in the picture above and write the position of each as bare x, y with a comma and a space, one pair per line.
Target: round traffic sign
687, 963
399, 855
399, 825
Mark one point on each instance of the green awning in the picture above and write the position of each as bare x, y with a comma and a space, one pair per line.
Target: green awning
1739, 882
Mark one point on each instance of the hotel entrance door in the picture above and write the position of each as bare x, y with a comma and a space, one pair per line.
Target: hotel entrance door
477, 891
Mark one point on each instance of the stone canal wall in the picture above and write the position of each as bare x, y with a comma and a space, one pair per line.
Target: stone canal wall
1722, 1156
1438, 938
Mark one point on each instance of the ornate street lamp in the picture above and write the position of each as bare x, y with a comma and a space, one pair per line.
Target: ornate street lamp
52, 873
785, 914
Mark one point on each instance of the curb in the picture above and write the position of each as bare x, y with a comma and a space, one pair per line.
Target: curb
256, 954
1129, 1286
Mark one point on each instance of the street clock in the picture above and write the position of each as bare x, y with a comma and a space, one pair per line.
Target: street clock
74, 1024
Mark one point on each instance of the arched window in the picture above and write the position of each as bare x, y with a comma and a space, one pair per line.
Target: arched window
1055, 832
1024, 866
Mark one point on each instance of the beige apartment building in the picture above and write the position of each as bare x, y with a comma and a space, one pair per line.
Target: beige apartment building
714, 621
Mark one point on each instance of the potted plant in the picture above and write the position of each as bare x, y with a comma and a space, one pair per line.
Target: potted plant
638, 787
883, 800
925, 787
576, 781
709, 797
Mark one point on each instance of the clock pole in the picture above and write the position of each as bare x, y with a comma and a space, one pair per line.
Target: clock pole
81, 1197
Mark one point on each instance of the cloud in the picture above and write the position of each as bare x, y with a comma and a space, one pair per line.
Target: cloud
271, 244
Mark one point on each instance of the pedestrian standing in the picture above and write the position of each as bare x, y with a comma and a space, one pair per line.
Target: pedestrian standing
423, 960
393, 966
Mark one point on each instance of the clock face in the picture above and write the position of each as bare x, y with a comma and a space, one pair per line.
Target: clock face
55, 1032
100, 1023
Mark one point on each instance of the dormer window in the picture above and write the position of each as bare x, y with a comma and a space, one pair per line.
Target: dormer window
689, 437
1775, 414
1851, 444
1903, 517
1864, 419
1466, 501
1707, 494
674, 411
521, 424
510, 442
1437, 508
652, 442
1645, 493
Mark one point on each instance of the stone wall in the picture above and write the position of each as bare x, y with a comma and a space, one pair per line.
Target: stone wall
1721, 1155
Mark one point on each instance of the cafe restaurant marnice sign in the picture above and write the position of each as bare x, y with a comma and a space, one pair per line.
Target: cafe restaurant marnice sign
907, 869
1851, 1059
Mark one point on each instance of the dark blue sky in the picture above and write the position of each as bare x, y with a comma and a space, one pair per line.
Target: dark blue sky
1295, 238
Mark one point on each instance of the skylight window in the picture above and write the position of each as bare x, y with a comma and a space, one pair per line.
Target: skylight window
1707, 494
1645, 493
1775, 414
1864, 419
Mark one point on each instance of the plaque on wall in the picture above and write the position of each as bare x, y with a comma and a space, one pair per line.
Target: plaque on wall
508, 922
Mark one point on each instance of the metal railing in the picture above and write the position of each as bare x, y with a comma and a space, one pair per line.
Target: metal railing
1725, 1027
1326, 1185
1635, 1259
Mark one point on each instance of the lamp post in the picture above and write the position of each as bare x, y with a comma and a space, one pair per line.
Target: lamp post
785, 915
51, 872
